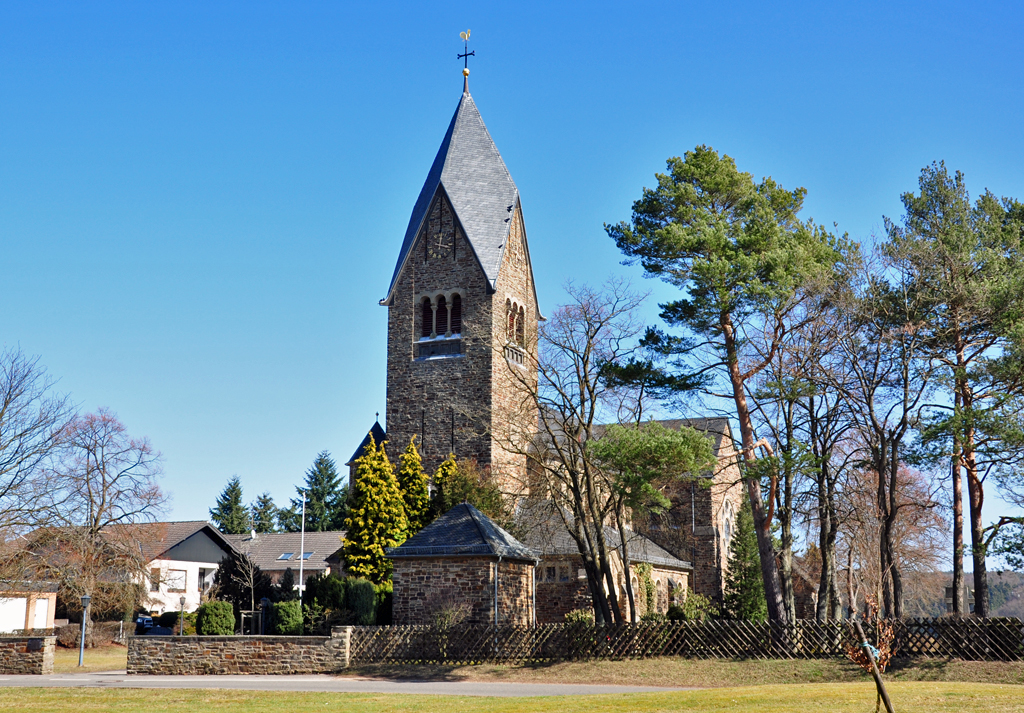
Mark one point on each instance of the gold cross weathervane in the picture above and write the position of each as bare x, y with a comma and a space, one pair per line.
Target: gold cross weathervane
466, 53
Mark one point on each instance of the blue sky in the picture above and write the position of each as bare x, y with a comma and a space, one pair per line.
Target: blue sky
202, 203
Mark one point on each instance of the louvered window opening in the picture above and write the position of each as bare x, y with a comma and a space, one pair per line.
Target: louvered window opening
456, 314
428, 319
520, 329
441, 316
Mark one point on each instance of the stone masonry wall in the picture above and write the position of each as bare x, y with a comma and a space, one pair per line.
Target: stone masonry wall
215, 655
423, 585
431, 397
514, 410
20, 655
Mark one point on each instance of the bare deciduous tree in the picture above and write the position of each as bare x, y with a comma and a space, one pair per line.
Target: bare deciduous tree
32, 421
98, 497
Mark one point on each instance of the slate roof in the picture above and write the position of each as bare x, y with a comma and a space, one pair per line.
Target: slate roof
546, 534
463, 531
469, 169
155, 538
378, 437
266, 549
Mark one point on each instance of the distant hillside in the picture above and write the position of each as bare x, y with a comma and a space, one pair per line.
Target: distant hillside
1006, 593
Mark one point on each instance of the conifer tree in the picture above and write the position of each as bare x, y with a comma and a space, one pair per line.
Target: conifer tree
744, 587
445, 487
412, 481
376, 518
264, 514
230, 515
326, 499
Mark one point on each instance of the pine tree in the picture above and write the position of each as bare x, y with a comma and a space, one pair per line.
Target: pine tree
744, 587
264, 514
326, 499
412, 481
376, 519
230, 515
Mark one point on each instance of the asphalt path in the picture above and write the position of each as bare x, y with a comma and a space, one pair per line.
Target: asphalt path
319, 683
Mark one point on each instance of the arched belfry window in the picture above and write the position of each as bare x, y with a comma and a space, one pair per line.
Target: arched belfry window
428, 318
456, 320
441, 320
510, 329
521, 328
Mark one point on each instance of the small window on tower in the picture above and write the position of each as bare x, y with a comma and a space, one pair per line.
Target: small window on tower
510, 330
456, 314
427, 318
520, 328
441, 319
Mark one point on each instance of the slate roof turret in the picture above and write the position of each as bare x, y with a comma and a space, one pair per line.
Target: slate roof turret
463, 531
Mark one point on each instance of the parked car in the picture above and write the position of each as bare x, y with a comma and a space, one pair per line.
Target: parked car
143, 624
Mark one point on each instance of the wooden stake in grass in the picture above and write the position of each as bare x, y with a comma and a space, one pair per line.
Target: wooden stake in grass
882, 694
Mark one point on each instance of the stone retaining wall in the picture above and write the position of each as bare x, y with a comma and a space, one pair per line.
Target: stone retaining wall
211, 655
27, 654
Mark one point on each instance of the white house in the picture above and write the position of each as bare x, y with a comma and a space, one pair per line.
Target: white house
184, 556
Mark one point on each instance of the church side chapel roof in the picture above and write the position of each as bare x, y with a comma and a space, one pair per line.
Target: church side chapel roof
471, 172
461, 532
547, 534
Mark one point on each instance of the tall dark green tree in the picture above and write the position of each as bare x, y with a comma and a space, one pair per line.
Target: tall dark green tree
744, 588
966, 263
230, 514
743, 261
326, 499
412, 481
376, 518
264, 514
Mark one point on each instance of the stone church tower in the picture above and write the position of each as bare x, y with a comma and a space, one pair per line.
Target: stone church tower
462, 310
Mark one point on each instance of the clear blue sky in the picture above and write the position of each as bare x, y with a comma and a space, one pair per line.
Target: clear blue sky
201, 203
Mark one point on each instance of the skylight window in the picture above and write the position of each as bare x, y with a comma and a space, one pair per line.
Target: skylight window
306, 555
286, 555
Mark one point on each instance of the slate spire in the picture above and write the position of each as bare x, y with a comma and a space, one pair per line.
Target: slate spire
471, 172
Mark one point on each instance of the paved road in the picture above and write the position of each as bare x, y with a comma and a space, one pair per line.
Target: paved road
327, 684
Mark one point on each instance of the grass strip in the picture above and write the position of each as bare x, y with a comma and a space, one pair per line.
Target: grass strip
933, 697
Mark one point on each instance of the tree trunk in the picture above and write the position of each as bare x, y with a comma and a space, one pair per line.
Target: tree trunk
958, 523
620, 516
976, 498
785, 514
765, 548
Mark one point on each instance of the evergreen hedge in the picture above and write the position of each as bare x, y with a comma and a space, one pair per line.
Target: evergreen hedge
215, 619
287, 619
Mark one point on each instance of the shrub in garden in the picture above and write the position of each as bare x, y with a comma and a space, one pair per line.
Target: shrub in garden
168, 619
362, 601
287, 619
215, 618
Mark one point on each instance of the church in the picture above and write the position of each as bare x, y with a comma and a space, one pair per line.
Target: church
462, 311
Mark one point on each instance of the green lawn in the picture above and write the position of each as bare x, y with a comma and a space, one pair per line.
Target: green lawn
101, 658
918, 697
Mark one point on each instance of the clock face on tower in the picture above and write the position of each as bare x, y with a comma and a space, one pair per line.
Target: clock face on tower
440, 244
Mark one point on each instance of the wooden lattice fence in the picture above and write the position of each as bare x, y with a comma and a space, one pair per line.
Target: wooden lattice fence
977, 639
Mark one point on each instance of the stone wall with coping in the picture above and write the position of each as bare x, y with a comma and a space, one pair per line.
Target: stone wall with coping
216, 655
20, 655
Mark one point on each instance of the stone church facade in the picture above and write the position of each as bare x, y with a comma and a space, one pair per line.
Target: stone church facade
462, 326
